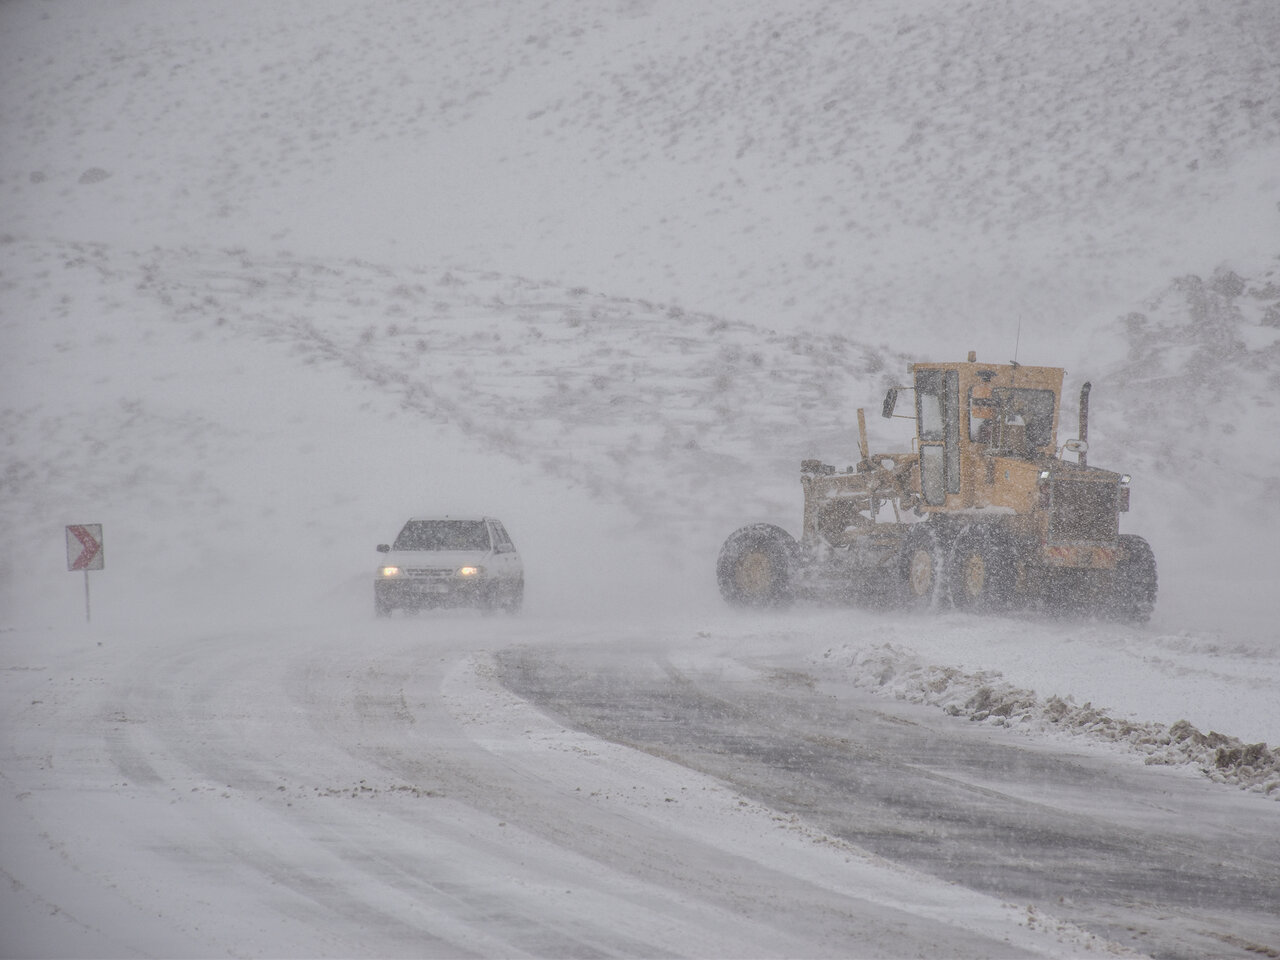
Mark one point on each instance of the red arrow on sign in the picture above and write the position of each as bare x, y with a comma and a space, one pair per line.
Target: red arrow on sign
91, 548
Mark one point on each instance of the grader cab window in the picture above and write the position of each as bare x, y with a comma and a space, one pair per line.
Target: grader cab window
930, 413
1011, 420
938, 416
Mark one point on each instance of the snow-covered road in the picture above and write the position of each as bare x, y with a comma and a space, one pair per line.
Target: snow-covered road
373, 789
1145, 856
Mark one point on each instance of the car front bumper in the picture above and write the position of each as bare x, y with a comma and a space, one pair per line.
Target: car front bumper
412, 593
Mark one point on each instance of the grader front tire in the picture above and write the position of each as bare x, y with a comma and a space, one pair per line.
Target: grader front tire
755, 567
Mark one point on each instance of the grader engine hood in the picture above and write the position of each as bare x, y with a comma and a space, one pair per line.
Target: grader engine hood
1083, 503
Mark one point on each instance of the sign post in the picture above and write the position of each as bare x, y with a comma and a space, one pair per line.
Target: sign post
84, 552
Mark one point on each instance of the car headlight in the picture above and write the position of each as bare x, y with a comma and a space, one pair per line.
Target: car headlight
389, 571
470, 571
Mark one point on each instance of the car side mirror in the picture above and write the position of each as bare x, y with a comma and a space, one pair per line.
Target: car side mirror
384, 548
890, 401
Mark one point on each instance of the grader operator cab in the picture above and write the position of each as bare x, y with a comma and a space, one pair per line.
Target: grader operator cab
997, 516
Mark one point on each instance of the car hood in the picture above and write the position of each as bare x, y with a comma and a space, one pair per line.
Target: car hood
433, 558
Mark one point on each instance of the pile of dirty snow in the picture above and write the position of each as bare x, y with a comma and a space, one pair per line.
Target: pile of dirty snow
985, 696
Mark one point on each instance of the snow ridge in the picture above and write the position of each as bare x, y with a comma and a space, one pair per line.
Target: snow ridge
984, 696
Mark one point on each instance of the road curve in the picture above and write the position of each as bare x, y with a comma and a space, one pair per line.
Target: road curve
1154, 859
361, 790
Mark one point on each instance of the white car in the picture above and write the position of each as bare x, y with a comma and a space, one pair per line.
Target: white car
449, 562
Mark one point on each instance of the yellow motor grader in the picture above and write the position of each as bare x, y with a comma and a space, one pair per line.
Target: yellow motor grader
983, 512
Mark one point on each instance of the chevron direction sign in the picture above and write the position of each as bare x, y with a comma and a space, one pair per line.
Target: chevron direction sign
84, 547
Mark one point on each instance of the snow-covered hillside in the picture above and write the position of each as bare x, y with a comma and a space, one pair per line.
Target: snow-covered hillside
904, 168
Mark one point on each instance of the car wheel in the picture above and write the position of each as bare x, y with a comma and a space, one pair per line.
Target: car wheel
516, 600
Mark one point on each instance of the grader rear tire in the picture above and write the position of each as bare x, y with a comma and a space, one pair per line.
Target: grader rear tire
1133, 595
981, 571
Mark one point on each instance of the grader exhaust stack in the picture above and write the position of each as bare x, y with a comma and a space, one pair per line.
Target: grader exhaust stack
1083, 457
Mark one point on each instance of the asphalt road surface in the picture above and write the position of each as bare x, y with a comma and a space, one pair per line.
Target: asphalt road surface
1150, 858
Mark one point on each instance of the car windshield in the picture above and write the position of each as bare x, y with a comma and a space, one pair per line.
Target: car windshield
443, 535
